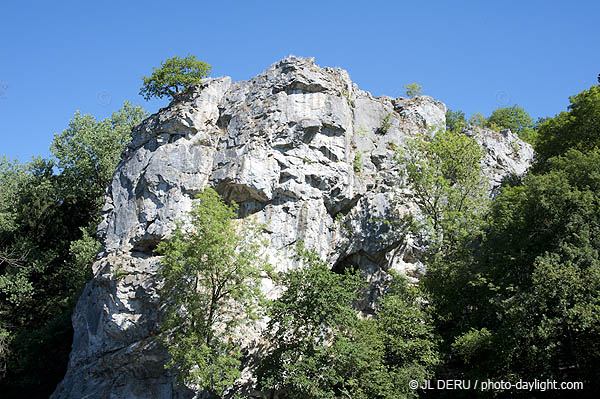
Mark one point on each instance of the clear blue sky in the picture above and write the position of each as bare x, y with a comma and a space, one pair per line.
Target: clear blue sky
62, 56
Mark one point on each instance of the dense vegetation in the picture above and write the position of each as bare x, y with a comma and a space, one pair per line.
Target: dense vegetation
522, 302
319, 347
49, 211
514, 118
512, 289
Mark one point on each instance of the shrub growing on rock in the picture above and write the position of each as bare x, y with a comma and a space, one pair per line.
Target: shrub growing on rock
174, 75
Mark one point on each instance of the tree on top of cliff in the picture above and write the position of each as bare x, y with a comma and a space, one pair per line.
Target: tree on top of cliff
514, 118
174, 75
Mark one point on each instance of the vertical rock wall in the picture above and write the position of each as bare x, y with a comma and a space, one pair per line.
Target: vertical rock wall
301, 149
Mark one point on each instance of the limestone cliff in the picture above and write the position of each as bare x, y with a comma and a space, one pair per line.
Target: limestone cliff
296, 146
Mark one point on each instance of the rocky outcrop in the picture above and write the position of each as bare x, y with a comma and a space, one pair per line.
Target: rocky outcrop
505, 154
300, 148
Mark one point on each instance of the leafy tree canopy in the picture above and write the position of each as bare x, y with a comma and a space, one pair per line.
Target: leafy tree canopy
514, 118
410, 345
578, 128
211, 276
455, 120
174, 75
87, 152
320, 348
445, 180
541, 273
48, 217
314, 311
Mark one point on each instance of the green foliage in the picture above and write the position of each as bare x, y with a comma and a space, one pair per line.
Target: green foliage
174, 75
386, 123
446, 182
455, 120
413, 90
87, 152
515, 146
320, 348
348, 99
525, 304
521, 301
308, 323
4, 350
477, 119
406, 329
514, 118
471, 344
48, 216
357, 164
576, 128
546, 287
211, 276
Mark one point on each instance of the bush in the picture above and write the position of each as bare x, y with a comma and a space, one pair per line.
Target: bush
385, 123
478, 120
413, 90
358, 162
455, 121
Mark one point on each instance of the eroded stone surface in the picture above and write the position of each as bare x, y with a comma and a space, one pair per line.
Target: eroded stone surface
301, 149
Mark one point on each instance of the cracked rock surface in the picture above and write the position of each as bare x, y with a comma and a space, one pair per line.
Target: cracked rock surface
301, 149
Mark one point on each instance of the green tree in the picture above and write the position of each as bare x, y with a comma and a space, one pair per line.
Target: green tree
35, 288
320, 348
576, 128
455, 120
174, 75
477, 119
443, 173
410, 346
545, 287
211, 277
514, 118
413, 90
48, 216
521, 301
445, 180
87, 152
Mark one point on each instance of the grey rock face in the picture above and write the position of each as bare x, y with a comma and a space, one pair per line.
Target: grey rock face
301, 149
505, 153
